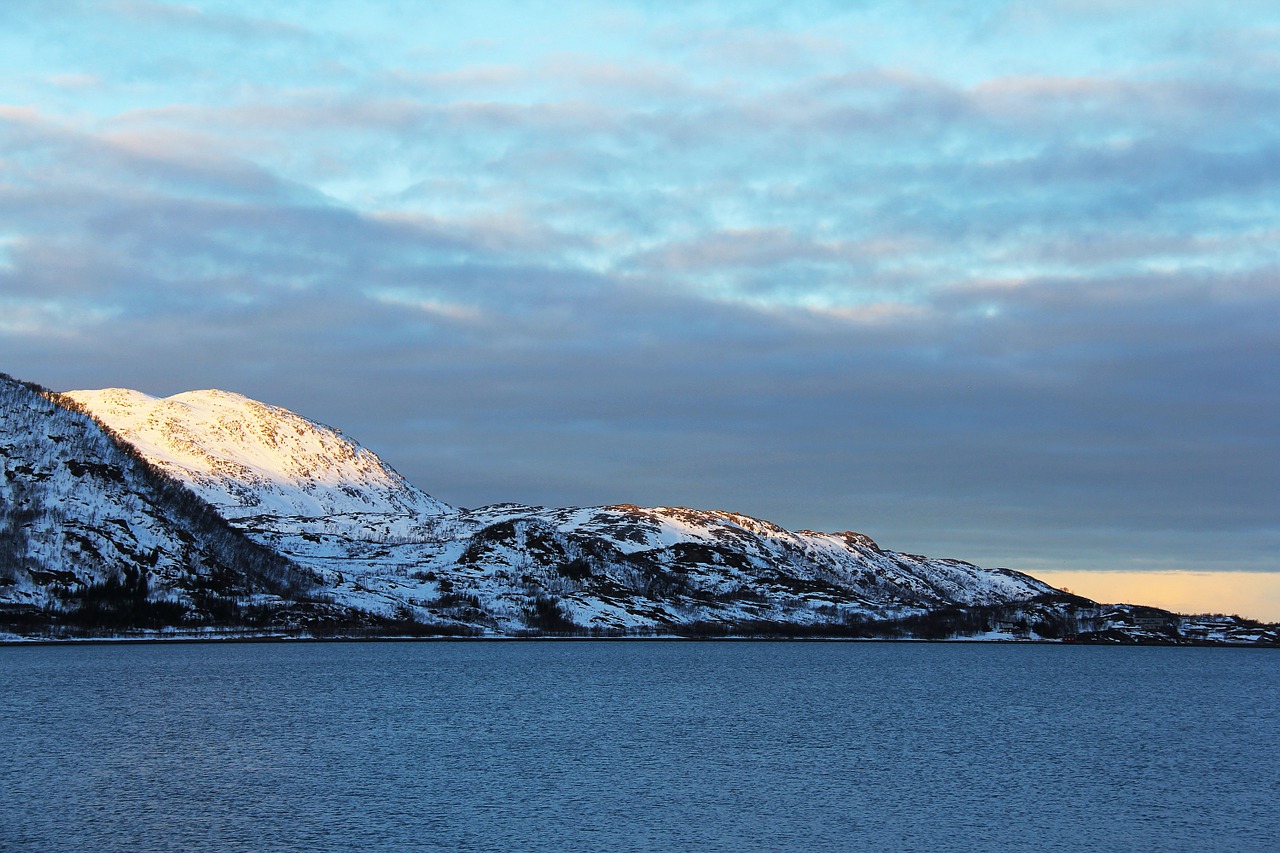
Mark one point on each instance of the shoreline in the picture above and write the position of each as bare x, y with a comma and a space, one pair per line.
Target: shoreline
663, 638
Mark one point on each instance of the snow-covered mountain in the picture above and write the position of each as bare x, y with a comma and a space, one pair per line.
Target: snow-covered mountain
208, 508
263, 465
83, 517
384, 546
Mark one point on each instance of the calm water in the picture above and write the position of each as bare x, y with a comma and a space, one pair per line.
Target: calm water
563, 746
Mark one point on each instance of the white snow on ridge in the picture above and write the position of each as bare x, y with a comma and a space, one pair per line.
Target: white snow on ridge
251, 459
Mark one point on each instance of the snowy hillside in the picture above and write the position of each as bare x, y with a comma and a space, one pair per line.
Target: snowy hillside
81, 518
632, 567
262, 465
211, 509
383, 546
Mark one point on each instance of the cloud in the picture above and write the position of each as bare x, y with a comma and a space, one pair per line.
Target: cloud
751, 47
49, 319
76, 81
191, 17
456, 80
733, 248
45, 155
1017, 309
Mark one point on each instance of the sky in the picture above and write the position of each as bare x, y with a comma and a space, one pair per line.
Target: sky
988, 280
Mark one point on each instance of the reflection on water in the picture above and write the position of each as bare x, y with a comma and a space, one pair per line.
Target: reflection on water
596, 745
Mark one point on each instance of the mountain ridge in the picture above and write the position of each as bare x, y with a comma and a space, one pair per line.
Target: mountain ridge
380, 555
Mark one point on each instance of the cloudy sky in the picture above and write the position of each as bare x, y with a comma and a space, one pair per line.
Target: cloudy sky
992, 280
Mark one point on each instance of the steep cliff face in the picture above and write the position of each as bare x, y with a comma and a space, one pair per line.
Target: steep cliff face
85, 521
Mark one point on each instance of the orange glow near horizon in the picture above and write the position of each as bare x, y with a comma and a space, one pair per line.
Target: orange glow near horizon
1254, 595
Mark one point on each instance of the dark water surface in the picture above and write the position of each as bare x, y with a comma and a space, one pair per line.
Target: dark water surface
596, 745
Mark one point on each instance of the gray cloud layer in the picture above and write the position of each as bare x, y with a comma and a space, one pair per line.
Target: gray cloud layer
1027, 321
